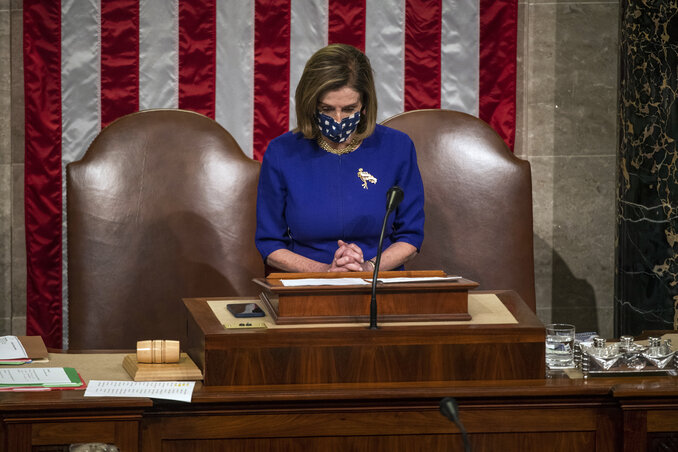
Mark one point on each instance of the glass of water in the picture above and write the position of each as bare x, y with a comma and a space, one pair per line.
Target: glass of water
559, 346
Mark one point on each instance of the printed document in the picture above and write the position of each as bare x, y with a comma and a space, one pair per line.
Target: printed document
170, 390
11, 348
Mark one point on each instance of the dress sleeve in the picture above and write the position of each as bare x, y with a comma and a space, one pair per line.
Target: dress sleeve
409, 217
272, 233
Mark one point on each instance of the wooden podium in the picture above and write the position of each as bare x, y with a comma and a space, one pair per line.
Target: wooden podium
397, 302
326, 353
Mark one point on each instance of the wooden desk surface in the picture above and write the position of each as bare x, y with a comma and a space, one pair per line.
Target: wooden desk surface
601, 414
613, 388
526, 319
556, 413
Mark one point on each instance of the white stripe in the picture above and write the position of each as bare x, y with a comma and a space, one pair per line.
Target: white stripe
234, 96
158, 54
308, 33
385, 47
80, 101
80, 76
460, 40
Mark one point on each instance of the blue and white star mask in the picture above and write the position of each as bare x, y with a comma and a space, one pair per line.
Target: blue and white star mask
337, 131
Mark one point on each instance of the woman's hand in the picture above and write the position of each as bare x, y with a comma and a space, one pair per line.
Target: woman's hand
348, 258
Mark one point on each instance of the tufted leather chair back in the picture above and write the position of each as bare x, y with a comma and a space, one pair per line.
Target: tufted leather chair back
161, 207
478, 201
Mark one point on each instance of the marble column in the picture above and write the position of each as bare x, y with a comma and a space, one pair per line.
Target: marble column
646, 286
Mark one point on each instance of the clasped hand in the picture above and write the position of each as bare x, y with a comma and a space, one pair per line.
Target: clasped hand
348, 258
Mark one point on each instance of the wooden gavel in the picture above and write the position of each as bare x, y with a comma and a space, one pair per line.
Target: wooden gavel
158, 351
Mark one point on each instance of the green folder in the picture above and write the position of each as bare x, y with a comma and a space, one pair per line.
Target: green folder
71, 373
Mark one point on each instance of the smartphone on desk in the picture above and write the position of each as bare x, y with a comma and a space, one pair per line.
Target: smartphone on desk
240, 310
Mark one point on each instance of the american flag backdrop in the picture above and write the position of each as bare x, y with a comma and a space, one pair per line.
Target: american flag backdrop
88, 62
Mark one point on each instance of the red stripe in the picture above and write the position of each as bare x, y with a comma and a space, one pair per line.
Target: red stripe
497, 63
42, 91
346, 23
271, 72
422, 54
197, 55
119, 59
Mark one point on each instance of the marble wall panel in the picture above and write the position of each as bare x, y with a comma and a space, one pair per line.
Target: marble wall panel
520, 147
5, 325
572, 78
5, 173
542, 212
583, 238
4, 5
18, 246
18, 251
5, 248
647, 221
606, 320
5, 84
569, 137
17, 87
544, 314
540, 79
552, 2
18, 325
574, 239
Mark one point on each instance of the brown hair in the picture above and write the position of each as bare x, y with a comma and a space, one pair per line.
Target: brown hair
331, 68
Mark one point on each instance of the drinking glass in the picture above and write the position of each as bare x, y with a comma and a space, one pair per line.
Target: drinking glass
559, 346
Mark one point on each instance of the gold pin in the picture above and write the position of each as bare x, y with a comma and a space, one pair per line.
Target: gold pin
366, 177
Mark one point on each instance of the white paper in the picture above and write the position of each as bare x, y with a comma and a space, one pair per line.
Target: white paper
170, 390
324, 282
422, 279
11, 348
360, 281
44, 376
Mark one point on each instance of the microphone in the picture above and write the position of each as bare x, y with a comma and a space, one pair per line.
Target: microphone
393, 197
449, 409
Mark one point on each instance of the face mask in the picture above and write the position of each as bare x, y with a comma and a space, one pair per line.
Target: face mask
337, 131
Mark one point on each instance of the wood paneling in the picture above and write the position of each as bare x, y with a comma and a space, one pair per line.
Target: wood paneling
552, 442
440, 300
662, 420
46, 419
412, 353
46, 433
635, 431
507, 415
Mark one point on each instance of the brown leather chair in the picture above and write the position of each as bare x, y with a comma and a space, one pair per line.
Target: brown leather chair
478, 201
162, 206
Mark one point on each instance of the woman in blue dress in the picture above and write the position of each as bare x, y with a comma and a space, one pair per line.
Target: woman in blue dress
322, 189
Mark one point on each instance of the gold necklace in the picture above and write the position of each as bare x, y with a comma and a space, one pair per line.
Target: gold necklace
352, 146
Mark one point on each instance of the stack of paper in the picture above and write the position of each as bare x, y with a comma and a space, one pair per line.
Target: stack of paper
12, 351
22, 349
40, 379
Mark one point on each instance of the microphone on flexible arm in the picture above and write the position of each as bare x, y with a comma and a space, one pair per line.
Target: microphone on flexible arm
393, 197
449, 409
